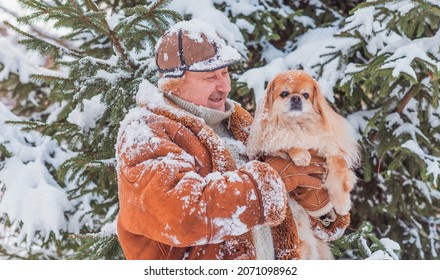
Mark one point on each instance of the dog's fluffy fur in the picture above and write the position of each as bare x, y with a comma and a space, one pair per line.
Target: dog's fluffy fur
293, 118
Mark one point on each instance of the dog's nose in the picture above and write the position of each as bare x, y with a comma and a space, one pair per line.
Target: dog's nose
295, 103
295, 99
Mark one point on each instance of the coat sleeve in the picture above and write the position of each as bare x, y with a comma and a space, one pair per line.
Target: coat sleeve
163, 197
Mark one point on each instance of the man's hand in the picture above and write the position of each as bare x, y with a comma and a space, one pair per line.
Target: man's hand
304, 183
310, 176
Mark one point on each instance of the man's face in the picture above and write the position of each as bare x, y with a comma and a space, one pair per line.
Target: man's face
208, 89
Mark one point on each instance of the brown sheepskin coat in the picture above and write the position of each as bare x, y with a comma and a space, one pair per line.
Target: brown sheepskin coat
181, 195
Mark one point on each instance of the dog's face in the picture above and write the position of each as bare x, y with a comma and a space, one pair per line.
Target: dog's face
293, 103
293, 94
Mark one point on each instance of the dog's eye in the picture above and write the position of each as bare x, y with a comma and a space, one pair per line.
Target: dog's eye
306, 95
284, 94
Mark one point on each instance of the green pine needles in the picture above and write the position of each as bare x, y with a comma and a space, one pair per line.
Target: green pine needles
103, 58
394, 87
364, 244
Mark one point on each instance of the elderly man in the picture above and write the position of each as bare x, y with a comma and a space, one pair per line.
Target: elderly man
186, 188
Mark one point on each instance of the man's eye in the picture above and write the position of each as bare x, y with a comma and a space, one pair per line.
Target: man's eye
306, 95
284, 94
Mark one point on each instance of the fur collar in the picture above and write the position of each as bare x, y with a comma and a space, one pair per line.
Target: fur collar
239, 122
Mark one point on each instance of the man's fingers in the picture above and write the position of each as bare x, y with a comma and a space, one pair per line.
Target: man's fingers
303, 180
315, 169
317, 160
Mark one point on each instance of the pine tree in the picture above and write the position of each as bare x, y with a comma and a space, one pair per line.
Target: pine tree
107, 58
29, 97
391, 90
27, 160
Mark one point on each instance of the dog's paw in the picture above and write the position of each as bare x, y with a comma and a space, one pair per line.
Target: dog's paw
341, 206
300, 157
339, 196
339, 193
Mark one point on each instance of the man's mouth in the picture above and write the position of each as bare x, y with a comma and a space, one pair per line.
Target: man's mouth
215, 98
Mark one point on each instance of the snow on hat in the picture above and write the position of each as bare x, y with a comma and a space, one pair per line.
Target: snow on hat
194, 46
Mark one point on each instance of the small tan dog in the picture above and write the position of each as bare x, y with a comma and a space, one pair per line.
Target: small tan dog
293, 118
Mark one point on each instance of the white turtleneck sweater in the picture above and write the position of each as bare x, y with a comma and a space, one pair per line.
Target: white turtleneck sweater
219, 122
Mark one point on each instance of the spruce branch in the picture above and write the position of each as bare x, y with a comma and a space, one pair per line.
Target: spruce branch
117, 43
153, 8
86, 19
89, 235
408, 96
48, 78
106, 31
431, 8
98, 247
11, 256
32, 4
45, 35
92, 6
52, 46
115, 5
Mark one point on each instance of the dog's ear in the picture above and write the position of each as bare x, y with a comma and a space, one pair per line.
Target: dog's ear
320, 104
257, 135
339, 126
269, 94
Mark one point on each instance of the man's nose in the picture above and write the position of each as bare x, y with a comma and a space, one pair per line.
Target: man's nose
223, 84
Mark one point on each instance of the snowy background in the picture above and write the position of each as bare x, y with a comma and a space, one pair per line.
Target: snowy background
32, 199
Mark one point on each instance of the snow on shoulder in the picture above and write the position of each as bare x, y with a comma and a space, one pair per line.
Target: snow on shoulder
149, 94
133, 127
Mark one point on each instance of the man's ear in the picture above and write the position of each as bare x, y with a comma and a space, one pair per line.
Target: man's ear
176, 91
172, 85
